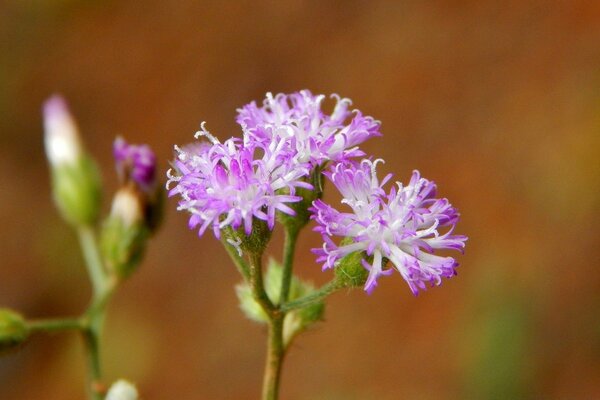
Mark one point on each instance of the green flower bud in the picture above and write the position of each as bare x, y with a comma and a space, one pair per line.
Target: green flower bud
124, 233
76, 191
75, 177
13, 329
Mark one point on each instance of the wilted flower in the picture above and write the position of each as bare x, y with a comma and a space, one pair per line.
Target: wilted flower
314, 135
231, 183
402, 226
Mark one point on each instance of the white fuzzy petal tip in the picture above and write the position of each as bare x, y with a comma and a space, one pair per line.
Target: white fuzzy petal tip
61, 136
122, 390
127, 206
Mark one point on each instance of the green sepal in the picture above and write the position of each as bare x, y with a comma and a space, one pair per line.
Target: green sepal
77, 191
350, 272
13, 329
254, 243
301, 207
123, 246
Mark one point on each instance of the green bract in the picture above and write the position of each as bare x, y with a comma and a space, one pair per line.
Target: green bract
76, 190
13, 329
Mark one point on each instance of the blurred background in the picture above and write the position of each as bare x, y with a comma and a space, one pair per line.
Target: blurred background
498, 102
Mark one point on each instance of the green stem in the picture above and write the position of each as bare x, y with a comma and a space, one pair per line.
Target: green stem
239, 262
55, 325
103, 287
313, 297
257, 285
289, 246
275, 355
93, 261
91, 340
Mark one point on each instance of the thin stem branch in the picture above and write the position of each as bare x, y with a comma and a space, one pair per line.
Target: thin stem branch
93, 261
313, 297
289, 246
257, 285
55, 325
103, 286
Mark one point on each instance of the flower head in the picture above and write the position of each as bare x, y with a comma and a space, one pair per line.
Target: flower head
135, 163
402, 226
315, 136
231, 183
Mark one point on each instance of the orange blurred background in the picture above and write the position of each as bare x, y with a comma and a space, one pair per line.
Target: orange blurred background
498, 102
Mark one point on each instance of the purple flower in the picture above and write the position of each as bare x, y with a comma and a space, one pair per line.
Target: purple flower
135, 163
315, 136
401, 226
231, 183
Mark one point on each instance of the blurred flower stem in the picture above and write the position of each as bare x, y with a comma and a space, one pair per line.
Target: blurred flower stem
103, 286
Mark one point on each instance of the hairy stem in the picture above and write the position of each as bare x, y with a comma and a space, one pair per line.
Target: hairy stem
257, 285
275, 355
289, 246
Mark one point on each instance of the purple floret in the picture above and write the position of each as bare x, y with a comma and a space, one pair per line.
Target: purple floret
136, 163
231, 183
316, 137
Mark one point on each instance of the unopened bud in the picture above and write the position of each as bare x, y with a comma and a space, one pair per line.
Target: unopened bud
122, 390
124, 233
61, 137
13, 329
127, 206
136, 166
75, 177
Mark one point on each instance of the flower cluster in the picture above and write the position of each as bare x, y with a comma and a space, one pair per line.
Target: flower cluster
284, 142
231, 183
401, 226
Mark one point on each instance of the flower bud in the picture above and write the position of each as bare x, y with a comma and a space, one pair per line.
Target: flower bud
122, 390
127, 206
136, 165
13, 329
62, 142
124, 235
75, 177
